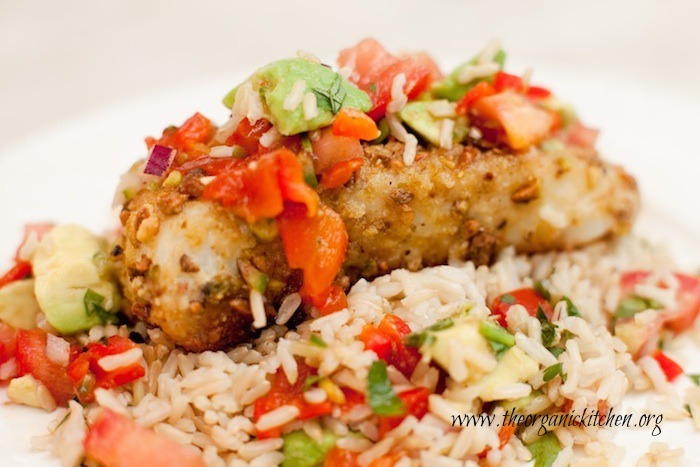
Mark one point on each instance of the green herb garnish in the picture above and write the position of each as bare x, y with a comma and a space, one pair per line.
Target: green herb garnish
499, 339
695, 378
507, 298
549, 332
571, 309
541, 288
382, 398
634, 304
554, 370
301, 450
418, 339
93, 305
545, 450
316, 340
310, 381
556, 351
331, 99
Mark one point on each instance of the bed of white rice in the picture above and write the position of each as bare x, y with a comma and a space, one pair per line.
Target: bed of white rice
206, 399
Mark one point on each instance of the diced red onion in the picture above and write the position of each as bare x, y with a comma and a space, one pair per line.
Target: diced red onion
159, 161
57, 350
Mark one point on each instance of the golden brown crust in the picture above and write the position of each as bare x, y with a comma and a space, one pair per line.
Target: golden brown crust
182, 255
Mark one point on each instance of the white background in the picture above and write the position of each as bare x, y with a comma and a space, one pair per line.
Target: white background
63, 59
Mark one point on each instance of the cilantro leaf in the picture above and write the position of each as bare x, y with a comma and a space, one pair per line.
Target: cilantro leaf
545, 450
541, 288
695, 378
382, 398
554, 370
556, 351
571, 309
549, 332
634, 304
332, 98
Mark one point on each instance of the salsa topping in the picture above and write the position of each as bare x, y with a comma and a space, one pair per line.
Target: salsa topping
297, 126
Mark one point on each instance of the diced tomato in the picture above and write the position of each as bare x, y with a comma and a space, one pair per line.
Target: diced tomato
387, 460
355, 124
210, 165
315, 245
32, 359
197, 130
503, 81
537, 92
329, 301
671, 369
338, 457
87, 364
329, 149
114, 440
581, 136
283, 393
425, 59
374, 70
388, 341
528, 298
482, 89
256, 188
21, 270
687, 299
247, 135
8, 343
339, 174
524, 123
505, 433
352, 398
416, 402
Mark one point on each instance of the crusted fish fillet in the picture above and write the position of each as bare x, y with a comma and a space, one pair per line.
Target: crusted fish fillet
182, 256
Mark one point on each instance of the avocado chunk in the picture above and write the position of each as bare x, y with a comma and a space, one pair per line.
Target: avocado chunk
513, 367
18, 306
417, 115
300, 450
465, 331
451, 89
275, 82
68, 271
520, 405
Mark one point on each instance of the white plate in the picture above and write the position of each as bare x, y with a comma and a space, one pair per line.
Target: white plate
68, 174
